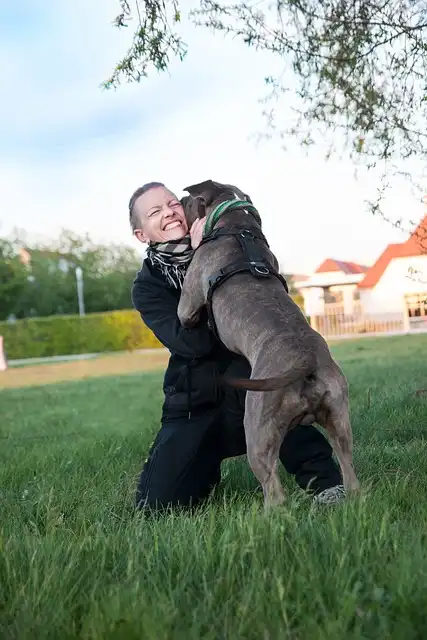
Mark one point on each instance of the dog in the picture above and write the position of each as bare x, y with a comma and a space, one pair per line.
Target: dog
256, 318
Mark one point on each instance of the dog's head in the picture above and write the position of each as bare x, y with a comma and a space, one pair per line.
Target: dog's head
193, 208
205, 196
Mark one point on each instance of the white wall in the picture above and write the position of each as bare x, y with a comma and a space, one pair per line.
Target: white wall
313, 301
336, 281
328, 278
388, 295
347, 294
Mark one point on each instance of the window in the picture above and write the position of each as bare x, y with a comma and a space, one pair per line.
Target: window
333, 297
417, 305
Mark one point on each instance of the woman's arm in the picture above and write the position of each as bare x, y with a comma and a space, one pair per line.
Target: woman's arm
158, 310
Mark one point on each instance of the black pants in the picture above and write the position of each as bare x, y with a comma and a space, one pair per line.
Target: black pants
184, 461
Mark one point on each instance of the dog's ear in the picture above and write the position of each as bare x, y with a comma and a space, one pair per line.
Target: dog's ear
208, 190
237, 192
193, 208
247, 198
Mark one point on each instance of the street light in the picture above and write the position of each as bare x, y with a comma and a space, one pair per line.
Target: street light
79, 278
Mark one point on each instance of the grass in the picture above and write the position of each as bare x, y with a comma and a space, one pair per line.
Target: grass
76, 562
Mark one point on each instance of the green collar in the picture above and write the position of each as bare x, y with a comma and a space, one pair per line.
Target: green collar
228, 205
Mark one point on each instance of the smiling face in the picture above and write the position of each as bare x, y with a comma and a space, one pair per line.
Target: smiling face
161, 216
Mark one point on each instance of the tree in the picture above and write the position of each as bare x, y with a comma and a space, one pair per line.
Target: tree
354, 67
12, 279
47, 284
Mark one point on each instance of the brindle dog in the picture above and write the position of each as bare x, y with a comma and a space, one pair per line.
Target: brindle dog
291, 363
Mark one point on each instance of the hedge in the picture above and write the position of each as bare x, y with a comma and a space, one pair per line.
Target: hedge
66, 335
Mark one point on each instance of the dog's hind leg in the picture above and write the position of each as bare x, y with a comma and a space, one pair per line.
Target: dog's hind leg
334, 416
263, 441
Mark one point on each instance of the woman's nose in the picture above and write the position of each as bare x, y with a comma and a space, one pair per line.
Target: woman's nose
168, 211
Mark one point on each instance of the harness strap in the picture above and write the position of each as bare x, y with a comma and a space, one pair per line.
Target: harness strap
260, 270
236, 230
250, 246
252, 262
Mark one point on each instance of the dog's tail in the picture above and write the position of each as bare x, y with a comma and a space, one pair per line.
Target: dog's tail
304, 367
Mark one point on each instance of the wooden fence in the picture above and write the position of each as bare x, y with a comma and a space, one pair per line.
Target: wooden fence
335, 322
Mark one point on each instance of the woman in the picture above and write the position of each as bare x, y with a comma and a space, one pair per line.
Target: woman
201, 423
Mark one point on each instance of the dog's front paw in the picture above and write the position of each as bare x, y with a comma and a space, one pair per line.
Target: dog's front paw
189, 323
188, 319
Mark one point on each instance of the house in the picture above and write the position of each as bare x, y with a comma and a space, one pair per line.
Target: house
397, 282
294, 278
54, 258
393, 289
333, 283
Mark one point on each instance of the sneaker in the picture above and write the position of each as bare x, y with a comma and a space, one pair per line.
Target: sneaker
331, 495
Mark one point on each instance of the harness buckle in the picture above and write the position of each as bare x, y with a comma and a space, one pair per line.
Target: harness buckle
263, 271
259, 269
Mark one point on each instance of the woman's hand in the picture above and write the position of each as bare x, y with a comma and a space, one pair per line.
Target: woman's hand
196, 232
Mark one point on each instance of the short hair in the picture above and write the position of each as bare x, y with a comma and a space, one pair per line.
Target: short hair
133, 217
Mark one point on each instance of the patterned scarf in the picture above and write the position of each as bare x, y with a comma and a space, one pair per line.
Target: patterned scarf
172, 258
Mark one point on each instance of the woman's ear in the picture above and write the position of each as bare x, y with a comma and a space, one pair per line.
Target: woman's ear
140, 235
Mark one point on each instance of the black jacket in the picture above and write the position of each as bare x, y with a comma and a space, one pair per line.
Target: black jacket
197, 358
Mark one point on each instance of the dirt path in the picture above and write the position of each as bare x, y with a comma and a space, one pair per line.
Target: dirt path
109, 365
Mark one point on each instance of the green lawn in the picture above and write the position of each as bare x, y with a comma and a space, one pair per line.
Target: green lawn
75, 562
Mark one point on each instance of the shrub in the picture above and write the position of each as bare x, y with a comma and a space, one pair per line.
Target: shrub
65, 335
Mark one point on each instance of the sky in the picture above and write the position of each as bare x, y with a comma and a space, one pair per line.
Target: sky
71, 154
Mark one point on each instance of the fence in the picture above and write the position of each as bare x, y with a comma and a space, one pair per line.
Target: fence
334, 322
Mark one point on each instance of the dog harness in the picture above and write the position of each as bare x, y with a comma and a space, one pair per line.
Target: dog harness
252, 261
229, 205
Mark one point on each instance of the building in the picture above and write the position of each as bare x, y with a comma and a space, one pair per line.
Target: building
392, 293
397, 282
333, 283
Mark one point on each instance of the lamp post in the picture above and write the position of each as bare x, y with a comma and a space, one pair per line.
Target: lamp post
79, 278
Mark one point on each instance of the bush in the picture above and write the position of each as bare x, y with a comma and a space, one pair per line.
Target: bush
299, 300
65, 335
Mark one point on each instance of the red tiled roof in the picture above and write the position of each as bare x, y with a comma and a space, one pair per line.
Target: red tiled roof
339, 265
416, 245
